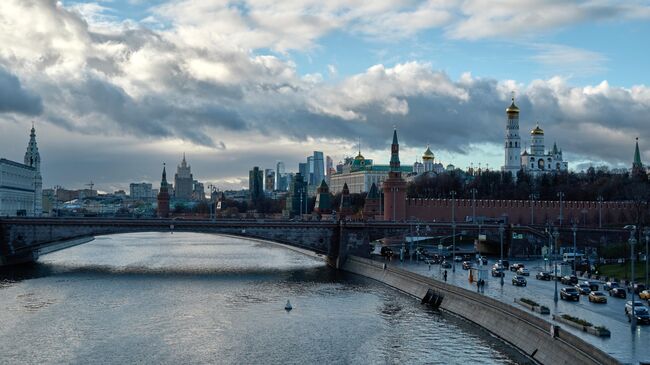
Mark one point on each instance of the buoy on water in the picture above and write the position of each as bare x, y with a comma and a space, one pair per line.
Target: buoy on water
288, 306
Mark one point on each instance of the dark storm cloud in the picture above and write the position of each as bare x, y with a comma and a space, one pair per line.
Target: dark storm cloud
15, 98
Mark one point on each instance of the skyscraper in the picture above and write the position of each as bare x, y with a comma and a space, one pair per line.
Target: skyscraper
183, 181
279, 175
318, 171
269, 180
256, 184
329, 166
303, 169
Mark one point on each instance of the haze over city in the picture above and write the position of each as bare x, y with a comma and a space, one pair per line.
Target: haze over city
116, 88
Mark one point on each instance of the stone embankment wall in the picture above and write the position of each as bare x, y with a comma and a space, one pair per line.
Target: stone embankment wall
530, 334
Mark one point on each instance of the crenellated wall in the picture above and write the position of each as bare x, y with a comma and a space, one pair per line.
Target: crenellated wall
585, 213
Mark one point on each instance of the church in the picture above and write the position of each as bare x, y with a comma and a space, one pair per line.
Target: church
21, 184
538, 160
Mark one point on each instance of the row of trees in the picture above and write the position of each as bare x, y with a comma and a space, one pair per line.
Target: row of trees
580, 186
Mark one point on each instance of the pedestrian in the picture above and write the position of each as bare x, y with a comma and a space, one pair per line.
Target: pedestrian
445, 275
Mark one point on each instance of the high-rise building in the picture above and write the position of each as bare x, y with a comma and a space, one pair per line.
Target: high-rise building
329, 166
297, 198
269, 180
141, 191
183, 181
318, 169
303, 169
256, 184
198, 190
279, 174
163, 196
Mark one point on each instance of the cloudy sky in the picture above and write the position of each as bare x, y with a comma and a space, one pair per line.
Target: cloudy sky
118, 87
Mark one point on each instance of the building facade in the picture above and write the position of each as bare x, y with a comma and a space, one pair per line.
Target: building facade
141, 191
359, 174
256, 184
21, 184
269, 180
183, 181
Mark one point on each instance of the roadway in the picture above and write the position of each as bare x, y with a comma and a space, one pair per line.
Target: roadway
625, 344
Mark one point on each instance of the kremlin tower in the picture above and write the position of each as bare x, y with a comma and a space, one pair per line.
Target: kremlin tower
163, 196
394, 187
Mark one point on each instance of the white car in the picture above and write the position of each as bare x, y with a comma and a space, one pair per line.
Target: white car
523, 271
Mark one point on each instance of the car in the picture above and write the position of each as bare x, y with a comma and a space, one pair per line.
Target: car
431, 261
642, 315
467, 265
446, 265
519, 280
636, 286
593, 285
482, 260
617, 292
597, 297
386, 251
645, 294
515, 267
569, 293
583, 289
569, 280
543, 275
640, 312
458, 258
504, 263
610, 285
523, 271
497, 272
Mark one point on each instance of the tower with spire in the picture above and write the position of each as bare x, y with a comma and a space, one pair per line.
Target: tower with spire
163, 196
395, 186
637, 165
512, 140
33, 159
183, 181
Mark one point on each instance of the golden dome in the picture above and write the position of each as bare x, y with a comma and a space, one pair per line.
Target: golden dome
428, 155
512, 108
359, 157
537, 131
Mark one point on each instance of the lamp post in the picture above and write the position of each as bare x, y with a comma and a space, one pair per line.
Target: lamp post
600, 211
532, 197
632, 242
453, 229
574, 228
646, 233
561, 196
501, 230
556, 234
474, 191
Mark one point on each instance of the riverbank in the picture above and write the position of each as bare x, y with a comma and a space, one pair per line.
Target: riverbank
528, 333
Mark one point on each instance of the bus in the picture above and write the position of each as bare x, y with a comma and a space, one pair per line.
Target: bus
571, 256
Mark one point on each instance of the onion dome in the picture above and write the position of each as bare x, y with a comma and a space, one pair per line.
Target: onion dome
428, 155
359, 157
537, 131
512, 108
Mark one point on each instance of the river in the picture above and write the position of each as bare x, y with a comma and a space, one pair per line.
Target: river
184, 298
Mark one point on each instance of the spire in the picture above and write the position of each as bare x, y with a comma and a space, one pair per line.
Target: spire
637, 156
555, 151
32, 157
163, 182
394, 153
373, 193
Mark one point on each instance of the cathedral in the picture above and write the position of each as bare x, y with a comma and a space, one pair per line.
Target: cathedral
538, 160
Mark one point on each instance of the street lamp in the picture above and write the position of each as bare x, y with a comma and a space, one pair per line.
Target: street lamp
556, 234
474, 191
574, 228
501, 230
600, 211
646, 233
561, 196
453, 228
532, 197
632, 242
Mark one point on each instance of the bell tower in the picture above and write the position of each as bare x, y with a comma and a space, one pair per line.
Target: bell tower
512, 140
33, 159
394, 187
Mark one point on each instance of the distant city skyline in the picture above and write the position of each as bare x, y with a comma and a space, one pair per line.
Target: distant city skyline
117, 88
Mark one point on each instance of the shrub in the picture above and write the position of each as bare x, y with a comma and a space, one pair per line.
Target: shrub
529, 302
577, 320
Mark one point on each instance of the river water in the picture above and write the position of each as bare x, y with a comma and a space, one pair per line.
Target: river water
158, 298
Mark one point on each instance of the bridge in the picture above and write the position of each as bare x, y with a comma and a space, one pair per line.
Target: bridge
24, 239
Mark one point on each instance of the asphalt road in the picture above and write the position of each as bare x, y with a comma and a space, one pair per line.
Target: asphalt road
626, 344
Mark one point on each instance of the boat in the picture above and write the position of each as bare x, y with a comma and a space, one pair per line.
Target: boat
288, 306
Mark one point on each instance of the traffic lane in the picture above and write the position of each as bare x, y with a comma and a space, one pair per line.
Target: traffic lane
624, 344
